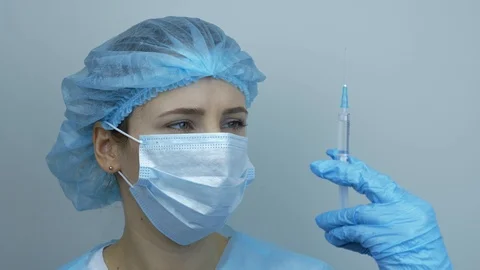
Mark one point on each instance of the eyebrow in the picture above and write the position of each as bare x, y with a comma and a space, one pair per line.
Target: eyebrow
198, 111
235, 110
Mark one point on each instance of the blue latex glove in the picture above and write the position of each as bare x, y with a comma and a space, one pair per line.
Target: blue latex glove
397, 229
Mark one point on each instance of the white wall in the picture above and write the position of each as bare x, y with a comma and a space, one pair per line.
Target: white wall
413, 76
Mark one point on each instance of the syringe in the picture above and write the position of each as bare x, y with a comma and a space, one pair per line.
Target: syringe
344, 140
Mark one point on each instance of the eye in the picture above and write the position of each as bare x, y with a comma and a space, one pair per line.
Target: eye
181, 126
235, 124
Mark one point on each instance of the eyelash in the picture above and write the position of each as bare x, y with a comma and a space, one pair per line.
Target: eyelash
172, 126
238, 124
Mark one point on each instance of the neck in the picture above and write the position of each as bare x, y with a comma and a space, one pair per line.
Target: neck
142, 246
141, 252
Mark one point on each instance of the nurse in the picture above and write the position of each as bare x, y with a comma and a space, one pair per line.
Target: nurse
157, 120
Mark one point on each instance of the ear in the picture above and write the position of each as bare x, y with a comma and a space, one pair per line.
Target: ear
106, 149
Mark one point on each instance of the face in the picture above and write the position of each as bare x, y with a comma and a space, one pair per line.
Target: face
206, 106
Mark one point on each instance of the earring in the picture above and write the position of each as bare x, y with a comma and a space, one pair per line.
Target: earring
110, 168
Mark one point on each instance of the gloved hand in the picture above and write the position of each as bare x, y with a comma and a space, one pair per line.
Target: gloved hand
397, 229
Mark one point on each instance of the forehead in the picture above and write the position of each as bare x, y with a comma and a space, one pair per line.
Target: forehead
207, 93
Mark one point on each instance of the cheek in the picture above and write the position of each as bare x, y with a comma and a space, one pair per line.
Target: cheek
242, 132
130, 162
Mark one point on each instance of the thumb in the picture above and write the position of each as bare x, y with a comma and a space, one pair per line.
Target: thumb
334, 154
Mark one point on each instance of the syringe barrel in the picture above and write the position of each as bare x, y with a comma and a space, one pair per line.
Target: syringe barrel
343, 149
343, 143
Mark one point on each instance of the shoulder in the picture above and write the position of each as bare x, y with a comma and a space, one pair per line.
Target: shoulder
85, 261
252, 253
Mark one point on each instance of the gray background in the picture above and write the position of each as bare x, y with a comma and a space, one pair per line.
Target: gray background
413, 76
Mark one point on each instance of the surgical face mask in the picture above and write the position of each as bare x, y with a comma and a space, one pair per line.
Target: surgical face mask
189, 184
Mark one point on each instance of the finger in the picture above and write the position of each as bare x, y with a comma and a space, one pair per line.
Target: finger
362, 214
355, 247
377, 187
333, 153
346, 235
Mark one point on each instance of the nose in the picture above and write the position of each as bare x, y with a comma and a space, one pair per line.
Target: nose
211, 123
212, 126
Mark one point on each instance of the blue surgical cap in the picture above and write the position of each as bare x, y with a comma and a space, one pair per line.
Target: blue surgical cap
126, 71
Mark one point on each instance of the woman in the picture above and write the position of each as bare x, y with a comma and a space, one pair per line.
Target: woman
157, 119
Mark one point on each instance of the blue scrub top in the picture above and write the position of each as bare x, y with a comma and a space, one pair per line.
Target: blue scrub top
241, 252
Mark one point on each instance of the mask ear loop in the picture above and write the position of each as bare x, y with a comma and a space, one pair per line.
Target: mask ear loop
125, 178
124, 133
130, 137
